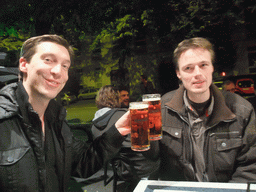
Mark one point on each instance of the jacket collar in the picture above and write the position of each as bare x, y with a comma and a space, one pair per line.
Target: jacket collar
220, 110
54, 111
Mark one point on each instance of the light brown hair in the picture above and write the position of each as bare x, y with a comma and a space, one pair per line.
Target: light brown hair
108, 96
29, 46
193, 43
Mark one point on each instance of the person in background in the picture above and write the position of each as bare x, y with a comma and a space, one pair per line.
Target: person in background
131, 166
37, 149
124, 97
208, 135
229, 86
146, 86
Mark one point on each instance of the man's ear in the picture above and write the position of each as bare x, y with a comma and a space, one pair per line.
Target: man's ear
178, 74
23, 65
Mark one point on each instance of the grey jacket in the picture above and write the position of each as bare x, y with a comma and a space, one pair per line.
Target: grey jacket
230, 139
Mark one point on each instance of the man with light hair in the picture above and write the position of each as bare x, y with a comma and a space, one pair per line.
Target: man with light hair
208, 135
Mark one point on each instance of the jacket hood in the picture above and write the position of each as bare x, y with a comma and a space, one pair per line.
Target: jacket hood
102, 121
8, 101
101, 112
9, 105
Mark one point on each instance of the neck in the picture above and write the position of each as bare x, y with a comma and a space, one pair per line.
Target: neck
39, 106
199, 97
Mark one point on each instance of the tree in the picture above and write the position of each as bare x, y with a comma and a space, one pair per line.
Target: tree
143, 24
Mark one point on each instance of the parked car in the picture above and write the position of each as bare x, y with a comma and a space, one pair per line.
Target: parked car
245, 86
67, 98
87, 93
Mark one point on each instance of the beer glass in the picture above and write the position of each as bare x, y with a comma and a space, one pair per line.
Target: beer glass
139, 126
154, 115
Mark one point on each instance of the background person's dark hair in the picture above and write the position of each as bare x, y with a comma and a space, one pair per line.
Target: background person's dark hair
108, 96
227, 82
29, 46
123, 88
144, 77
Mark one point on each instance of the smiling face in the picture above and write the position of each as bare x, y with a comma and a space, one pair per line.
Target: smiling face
47, 72
195, 71
124, 98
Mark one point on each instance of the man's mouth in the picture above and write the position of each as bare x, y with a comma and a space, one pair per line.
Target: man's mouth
198, 82
52, 82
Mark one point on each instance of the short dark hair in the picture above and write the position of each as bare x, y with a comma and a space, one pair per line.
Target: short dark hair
107, 96
193, 43
144, 77
123, 88
227, 82
29, 46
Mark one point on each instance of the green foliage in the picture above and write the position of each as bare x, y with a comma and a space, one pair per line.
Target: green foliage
10, 38
113, 30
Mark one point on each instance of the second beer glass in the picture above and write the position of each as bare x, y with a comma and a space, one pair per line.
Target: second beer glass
139, 126
154, 115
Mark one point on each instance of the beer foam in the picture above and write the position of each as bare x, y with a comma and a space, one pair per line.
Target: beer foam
151, 99
139, 106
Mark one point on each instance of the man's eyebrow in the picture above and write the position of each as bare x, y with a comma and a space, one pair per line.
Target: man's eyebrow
48, 54
53, 55
205, 62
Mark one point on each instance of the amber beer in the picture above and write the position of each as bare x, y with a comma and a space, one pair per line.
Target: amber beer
139, 126
154, 115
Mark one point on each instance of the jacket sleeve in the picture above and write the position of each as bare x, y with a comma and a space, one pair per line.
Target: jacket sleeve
88, 160
245, 170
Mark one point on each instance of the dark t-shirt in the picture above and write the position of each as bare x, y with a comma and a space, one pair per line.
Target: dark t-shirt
52, 182
200, 107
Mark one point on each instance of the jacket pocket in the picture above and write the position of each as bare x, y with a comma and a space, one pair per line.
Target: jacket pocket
172, 141
174, 132
226, 147
12, 156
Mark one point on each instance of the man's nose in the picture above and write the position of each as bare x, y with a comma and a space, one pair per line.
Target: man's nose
197, 70
56, 69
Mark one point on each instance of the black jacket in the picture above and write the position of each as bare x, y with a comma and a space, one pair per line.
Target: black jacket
22, 157
141, 164
230, 139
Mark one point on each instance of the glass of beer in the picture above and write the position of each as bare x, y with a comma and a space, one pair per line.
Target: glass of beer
139, 126
154, 115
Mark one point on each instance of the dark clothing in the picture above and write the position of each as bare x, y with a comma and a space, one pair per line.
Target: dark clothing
229, 149
144, 163
148, 89
52, 183
141, 89
25, 157
252, 100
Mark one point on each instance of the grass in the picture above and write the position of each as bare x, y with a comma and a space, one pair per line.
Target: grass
81, 111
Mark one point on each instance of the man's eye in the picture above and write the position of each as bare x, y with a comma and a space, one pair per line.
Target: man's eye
47, 59
65, 67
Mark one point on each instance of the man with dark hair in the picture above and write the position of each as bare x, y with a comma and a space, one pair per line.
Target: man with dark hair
37, 149
208, 135
124, 97
146, 86
229, 86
